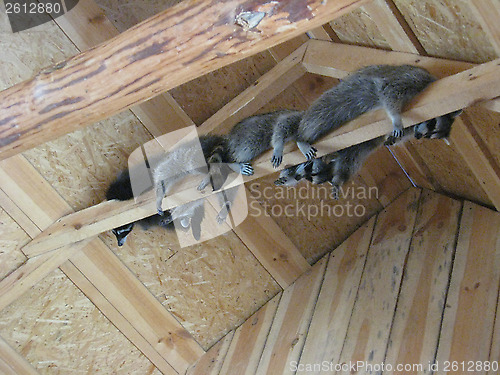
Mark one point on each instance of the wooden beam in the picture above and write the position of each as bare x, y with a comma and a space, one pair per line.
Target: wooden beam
492, 105
478, 157
122, 291
338, 60
443, 96
15, 362
177, 45
269, 85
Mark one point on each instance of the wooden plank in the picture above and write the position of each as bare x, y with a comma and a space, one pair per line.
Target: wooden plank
368, 333
272, 248
288, 331
269, 85
443, 96
332, 313
131, 298
14, 362
337, 60
19, 216
393, 26
32, 271
415, 328
469, 318
492, 105
478, 157
150, 58
249, 339
487, 13
116, 317
211, 362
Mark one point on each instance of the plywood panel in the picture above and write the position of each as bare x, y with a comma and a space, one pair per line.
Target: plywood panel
288, 332
371, 319
447, 28
60, 331
332, 313
469, 318
417, 320
308, 215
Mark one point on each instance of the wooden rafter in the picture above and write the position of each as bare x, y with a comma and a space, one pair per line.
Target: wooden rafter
444, 96
148, 59
11, 362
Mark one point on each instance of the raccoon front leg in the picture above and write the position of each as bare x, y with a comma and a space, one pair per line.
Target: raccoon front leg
394, 113
308, 150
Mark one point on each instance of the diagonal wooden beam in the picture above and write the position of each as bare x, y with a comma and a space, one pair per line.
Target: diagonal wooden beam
449, 94
118, 293
492, 105
177, 45
14, 362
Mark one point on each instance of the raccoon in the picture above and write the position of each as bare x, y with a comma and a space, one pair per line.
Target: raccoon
338, 167
373, 87
121, 189
183, 161
256, 134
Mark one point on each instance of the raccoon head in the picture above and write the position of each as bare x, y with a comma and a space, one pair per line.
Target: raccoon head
438, 127
122, 232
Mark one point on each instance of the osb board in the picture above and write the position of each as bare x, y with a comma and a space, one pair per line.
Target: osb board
308, 215
59, 331
125, 14
12, 238
26, 52
210, 288
358, 28
447, 28
450, 171
81, 165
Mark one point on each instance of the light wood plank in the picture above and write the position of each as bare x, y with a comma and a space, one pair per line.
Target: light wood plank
272, 248
14, 362
150, 58
478, 157
469, 317
492, 105
337, 60
249, 340
131, 298
18, 215
332, 313
116, 317
443, 96
487, 13
370, 324
269, 85
211, 362
415, 329
288, 331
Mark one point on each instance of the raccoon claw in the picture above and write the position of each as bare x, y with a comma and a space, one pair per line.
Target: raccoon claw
276, 161
397, 133
220, 219
159, 210
246, 169
311, 154
335, 192
390, 140
280, 181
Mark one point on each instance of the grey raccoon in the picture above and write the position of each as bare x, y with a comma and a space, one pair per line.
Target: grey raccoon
183, 161
256, 134
338, 167
373, 87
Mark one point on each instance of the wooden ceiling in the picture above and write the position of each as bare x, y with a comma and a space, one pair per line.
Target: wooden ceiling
104, 296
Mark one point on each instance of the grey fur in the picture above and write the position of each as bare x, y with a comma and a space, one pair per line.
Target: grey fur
256, 134
373, 87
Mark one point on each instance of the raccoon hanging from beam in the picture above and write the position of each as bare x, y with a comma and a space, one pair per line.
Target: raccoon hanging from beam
373, 87
338, 167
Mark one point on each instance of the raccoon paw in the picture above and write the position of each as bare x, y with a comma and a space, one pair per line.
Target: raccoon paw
246, 169
160, 211
276, 160
390, 140
311, 154
220, 219
165, 221
335, 192
397, 133
203, 184
280, 181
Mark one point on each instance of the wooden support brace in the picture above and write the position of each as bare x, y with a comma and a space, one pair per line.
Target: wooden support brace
478, 157
11, 362
183, 42
443, 96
